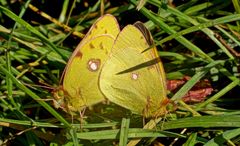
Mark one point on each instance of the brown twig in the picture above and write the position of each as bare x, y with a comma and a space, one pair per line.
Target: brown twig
55, 21
226, 45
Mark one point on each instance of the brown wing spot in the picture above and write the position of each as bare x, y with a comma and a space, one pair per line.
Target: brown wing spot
79, 55
105, 31
93, 65
101, 46
106, 52
141, 37
91, 46
96, 26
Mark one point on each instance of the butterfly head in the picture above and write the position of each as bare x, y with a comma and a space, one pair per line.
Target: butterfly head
59, 100
65, 102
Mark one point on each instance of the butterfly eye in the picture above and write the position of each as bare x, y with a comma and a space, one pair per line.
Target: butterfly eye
135, 76
93, 64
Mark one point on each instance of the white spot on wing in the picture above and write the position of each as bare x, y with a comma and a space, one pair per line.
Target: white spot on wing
94, 64
134, 76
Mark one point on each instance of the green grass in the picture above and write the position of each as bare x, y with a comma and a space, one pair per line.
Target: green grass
200, 39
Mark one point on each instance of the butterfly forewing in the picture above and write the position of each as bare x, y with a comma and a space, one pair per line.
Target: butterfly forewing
106, 24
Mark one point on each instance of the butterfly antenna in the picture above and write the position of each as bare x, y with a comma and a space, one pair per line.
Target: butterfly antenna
41, 86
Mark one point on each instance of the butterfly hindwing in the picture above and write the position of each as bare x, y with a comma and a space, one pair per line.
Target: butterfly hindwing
132, 78
80, 81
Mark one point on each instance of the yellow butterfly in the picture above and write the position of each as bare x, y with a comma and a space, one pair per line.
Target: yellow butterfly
132, 77
80, 81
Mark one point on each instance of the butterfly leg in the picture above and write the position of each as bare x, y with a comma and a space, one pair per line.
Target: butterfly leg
81, 113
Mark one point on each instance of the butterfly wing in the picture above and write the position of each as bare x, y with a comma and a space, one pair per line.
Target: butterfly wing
132, 78
153, 51
81, 73
80, 83
106, 24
